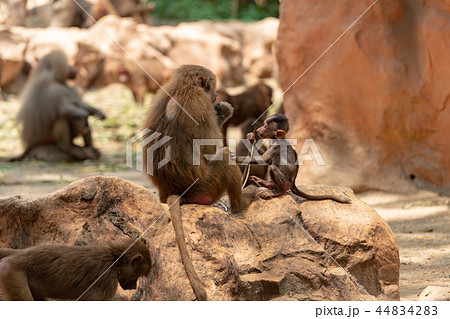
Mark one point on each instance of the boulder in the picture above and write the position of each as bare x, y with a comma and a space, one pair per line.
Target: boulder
273, 251
377, 103
12, 60
194, 44
256, 40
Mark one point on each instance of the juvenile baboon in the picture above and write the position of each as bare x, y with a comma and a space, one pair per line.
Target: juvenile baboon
280, 177
53, 112
137, 9
251, 103
184, 114
67, 272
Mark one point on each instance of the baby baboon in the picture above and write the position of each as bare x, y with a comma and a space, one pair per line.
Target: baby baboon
53, 112
251, 103
242, 150
280, 177
67, 272
137, 9
186, 113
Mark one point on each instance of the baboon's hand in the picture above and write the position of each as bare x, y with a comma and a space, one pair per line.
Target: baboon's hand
251, 137
100, 114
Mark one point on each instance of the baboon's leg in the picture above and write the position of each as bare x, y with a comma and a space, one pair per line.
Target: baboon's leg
230, 176
261, 182
63, 136
14, 286
80, 126
277, 180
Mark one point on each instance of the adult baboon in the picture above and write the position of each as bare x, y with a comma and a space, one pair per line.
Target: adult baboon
53, 112
185, 113
67, 272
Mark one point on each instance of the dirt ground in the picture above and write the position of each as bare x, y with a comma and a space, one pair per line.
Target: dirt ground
421, 221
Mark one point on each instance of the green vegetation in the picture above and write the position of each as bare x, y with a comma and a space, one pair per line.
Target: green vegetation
194, 10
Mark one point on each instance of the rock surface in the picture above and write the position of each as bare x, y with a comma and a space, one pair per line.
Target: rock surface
377, 103
231, 50
434, 293
261, 254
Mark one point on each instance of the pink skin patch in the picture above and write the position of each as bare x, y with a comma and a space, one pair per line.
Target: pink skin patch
4, 266
287, 185
205, 199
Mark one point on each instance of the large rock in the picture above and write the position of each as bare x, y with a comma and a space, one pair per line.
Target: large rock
271, 252
256, 39
377, 103
194, 44
12, 60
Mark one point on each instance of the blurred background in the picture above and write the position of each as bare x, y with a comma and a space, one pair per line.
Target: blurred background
374, 97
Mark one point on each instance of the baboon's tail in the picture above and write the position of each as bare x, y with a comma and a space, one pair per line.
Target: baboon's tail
177, 222
337, 198
18, 157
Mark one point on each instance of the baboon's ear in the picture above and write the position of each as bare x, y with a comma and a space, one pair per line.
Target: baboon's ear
280, 134
201, 81
136, 259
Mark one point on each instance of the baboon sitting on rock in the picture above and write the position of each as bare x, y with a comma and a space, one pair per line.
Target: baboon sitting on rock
53, 114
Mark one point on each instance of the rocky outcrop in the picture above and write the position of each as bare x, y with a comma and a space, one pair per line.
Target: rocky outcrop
377, 103
231, 50
283, 249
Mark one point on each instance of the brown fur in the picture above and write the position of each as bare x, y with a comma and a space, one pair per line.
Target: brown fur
53, 112
251, 103
66, 272
136, 9
167, 118
280, 178
193, 87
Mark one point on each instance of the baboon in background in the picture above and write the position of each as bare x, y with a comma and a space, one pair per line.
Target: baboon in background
137, 80
66, 272
280, 177
68, 13
251, 103
191, 93
136, 9
53, 112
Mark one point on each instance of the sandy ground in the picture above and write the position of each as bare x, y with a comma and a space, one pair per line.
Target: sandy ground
420, 221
